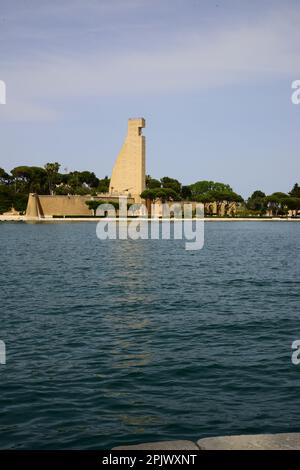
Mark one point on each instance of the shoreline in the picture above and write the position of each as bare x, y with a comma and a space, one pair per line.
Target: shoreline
24, 218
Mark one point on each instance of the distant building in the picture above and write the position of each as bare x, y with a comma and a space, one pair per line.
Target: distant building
128, 179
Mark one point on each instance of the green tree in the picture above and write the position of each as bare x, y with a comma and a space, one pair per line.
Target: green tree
150, 194
103, 185
257, 202
168, 194
5, 178
20, 202
225, 197
29, 179
171, 183
277, 203
89, 178
52, 170
9, 198
295, 192
63, 190
220, 197
203, 187
205, 198
164, 195
152, 183
186, 193
77, 179
6, 198
292, 203
95, 203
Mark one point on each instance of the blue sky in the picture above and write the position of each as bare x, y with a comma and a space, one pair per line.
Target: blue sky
212, 78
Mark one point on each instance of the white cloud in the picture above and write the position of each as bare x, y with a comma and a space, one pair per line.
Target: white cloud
267, 50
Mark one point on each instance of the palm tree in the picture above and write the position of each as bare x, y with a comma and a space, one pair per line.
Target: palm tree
51, 170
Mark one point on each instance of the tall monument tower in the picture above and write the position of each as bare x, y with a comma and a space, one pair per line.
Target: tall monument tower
129, 173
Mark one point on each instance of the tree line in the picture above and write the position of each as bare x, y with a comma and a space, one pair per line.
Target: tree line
221, 194
22, 180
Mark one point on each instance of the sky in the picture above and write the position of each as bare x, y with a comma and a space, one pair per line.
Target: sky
212, 78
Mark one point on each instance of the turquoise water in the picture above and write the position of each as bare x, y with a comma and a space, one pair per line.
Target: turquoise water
112, 342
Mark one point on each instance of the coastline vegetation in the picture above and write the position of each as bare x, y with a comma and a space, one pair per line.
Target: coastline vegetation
219, 199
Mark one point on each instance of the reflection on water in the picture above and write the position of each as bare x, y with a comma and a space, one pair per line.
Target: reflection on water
110, 339
132, 360
139, 420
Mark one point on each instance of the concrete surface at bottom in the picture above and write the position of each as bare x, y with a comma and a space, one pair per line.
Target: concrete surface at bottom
284, 441
288, 441
164, 445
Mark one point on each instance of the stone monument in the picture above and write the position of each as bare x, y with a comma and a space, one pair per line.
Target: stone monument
128, 175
